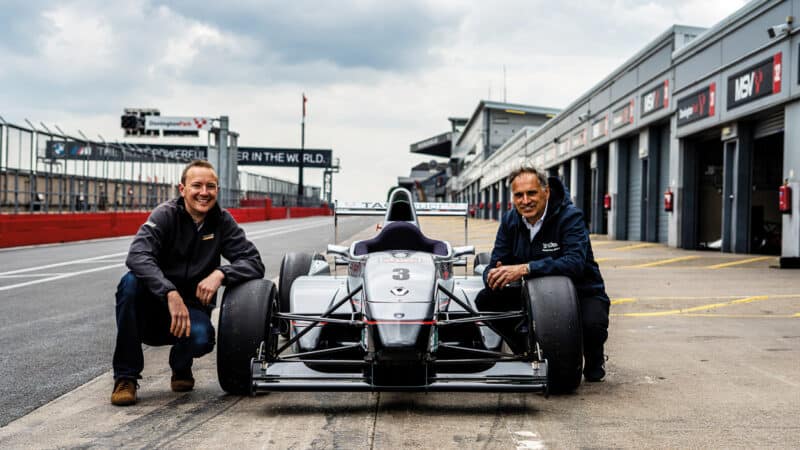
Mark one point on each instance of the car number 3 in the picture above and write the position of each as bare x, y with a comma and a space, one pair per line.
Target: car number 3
400, 274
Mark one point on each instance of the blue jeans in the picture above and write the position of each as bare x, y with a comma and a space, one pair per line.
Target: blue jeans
142, 318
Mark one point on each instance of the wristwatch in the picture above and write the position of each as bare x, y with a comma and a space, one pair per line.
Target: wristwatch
527, 270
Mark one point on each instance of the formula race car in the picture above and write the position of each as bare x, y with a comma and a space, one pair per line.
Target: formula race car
399, 320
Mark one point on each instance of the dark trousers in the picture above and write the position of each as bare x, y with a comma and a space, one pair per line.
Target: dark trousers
142, 318
594, 317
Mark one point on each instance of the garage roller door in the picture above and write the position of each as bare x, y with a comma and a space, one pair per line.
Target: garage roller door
663, 183
634, 228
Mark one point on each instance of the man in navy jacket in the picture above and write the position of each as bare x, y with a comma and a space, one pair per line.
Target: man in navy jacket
545, 234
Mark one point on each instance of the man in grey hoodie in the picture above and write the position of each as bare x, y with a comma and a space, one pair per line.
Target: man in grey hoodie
175, 272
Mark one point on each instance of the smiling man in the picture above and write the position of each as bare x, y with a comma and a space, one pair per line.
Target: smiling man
545, 234
175, 272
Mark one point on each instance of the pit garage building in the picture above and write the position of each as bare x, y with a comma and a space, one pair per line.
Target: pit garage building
694, 141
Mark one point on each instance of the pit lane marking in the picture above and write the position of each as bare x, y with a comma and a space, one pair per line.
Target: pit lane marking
662, 262
744, 316
620, 301
599, 260
635, 246
33, 275
59, 277
673, 312
742, 261
65, 263
527, 440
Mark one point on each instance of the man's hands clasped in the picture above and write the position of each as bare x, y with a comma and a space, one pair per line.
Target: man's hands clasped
502, 275
181, 325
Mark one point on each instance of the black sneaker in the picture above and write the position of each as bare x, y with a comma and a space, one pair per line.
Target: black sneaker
594, 369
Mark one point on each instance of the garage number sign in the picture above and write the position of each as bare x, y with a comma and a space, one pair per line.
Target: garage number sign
698, 105
755, 82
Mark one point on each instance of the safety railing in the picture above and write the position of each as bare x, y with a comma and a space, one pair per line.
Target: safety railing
43, 171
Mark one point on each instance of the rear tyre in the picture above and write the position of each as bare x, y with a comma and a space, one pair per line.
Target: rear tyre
556, 327
244, 323
293, 265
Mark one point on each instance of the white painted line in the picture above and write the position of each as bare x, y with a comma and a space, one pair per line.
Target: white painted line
65, 263
527, 440
266, 233
34, 275
59, 277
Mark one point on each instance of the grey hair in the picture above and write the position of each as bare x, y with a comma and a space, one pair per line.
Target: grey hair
528, 168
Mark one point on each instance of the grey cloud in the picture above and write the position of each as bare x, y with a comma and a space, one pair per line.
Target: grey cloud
380, 35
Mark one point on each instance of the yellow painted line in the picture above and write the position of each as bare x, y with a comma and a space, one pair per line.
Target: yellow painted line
635, 246
662, 262
741, 261
730, 316
600, 243
599, 260
697, 308
746, 316
718, 297
620, 301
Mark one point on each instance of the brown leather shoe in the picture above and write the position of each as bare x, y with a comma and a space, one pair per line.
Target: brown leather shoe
182, 380
124, 393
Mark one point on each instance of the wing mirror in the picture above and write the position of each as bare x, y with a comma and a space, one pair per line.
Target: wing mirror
338, 250
458, 252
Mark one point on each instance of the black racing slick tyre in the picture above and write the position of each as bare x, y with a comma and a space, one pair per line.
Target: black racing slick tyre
293, 265
556, 325
244, 323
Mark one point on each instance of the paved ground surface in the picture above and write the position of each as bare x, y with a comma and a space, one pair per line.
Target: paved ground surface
57, 306
704, 352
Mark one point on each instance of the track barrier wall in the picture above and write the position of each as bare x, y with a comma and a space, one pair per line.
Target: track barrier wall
31, 229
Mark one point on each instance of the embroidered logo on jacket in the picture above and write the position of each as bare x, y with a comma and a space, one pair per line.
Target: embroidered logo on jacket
550, 247
208, 237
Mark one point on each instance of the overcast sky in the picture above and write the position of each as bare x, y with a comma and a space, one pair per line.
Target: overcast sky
379, 75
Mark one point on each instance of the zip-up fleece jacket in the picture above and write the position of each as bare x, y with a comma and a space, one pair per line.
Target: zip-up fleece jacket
169, 253
561, 247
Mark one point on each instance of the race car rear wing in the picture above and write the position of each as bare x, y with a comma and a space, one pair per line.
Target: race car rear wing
399, 209
380, 208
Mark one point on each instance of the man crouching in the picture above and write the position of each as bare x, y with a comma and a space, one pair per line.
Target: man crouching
545, 234
175, 272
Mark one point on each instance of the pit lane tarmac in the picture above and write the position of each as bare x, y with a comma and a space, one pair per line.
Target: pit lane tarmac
704, 352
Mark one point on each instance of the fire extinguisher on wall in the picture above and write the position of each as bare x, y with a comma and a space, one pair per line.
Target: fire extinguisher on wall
669, 198
607, 202
785, 198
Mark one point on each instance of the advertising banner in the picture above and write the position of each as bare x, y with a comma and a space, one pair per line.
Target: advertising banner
600, 128
247, 156
698, 105
755, 82
622, 116
284, 157
656, 99
177, 123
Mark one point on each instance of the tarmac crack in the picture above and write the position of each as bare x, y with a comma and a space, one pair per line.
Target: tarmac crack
374, 422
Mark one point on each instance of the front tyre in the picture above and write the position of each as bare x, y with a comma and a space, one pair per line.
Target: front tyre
293, 265
245, 319
556, 327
